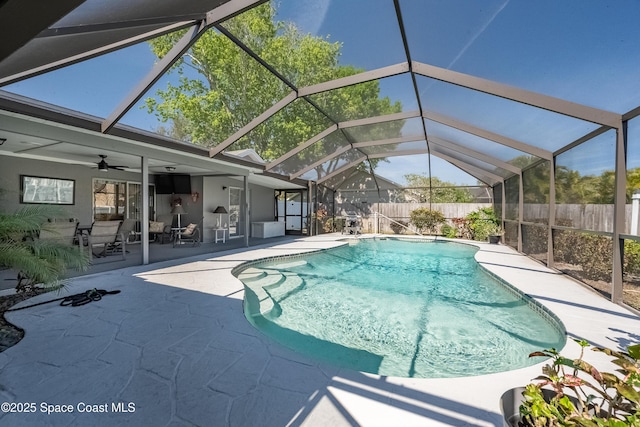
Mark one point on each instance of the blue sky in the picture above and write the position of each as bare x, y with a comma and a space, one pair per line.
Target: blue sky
586, 51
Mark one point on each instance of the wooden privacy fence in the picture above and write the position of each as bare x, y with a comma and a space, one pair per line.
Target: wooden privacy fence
585, 217
401, 211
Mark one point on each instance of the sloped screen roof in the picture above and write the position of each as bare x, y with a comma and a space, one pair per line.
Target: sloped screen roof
322, 88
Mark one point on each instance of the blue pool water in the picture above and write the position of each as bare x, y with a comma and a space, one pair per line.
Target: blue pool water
397, 308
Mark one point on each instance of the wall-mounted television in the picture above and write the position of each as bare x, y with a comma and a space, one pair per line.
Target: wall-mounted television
164, 184
173, 184
181, 184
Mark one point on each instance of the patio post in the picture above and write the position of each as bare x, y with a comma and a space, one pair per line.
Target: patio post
144, 218
247, 216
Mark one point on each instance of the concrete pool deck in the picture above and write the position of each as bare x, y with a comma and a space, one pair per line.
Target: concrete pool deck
173, 348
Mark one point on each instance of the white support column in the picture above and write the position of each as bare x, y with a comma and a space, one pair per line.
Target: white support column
520, 211
552, 212
144, 218
620, 187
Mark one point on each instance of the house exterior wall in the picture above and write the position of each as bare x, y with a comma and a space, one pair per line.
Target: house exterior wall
12, 167
209, 189
215, 192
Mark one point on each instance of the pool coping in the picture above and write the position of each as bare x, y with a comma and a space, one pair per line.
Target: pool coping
130, 347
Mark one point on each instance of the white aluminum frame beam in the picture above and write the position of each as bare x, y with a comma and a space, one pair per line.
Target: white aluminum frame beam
346, 125
550, 103
93, 53
475, 154
254, 123
379, 119
581, 140
154, 75
301, 147
380, 73
452, 153
491, 136
470, 169
341, 169
474, 172
230, 9
312, 166
389, 141
398, 153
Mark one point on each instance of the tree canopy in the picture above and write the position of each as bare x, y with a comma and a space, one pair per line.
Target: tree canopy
436, 190
221, 89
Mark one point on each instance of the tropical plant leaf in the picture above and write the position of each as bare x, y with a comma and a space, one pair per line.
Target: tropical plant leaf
627, 391
634, 351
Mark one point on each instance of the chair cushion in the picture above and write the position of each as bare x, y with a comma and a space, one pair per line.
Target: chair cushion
189, 229
156, 227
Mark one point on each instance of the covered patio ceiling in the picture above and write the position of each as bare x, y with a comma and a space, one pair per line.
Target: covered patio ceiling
484, 89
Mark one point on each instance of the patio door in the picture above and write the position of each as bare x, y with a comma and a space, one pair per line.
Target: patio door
237, 213
292, 209
118, 200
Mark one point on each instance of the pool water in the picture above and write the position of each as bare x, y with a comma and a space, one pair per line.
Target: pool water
397, 308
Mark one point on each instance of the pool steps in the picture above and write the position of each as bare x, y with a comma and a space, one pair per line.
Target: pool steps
271, 286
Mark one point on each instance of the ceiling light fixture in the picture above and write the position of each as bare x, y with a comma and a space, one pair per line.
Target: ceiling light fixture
102, 166
170, 168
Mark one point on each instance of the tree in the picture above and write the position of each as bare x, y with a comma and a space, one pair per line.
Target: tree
229, 89
436, 190
37, 261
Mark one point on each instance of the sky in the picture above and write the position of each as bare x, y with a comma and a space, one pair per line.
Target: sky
585, 51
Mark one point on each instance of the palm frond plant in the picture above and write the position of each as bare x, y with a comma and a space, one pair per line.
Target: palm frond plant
38, 262
572, 392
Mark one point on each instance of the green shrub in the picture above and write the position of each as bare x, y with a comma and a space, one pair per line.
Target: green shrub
398, 226
462, 228
424, 218
593, 253
449, 231
632, 257
482, 223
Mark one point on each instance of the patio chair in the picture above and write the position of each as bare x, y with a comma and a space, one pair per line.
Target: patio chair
161, 228
191, 234
105, 234
128, 229
125, 232
61, 231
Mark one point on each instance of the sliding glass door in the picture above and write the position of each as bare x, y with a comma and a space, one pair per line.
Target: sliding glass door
237, 214
119, 200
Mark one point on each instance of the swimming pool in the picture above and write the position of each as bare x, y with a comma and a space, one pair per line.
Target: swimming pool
398, 308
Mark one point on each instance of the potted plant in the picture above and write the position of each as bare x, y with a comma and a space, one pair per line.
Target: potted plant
572, 392
495, 234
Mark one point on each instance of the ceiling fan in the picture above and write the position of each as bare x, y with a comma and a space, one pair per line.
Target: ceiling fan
104, 166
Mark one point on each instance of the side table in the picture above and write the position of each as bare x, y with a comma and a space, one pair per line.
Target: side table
220, 234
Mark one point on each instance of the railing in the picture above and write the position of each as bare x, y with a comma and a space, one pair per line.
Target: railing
377, 215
